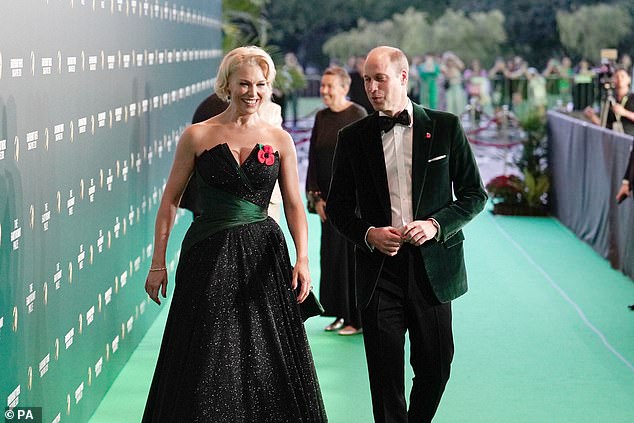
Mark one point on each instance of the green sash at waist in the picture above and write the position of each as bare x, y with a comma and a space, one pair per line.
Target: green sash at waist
221, 210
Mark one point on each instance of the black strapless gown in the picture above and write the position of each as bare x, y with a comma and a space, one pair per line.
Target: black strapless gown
234, 347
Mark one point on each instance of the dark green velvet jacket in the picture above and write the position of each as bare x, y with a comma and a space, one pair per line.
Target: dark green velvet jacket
359, 196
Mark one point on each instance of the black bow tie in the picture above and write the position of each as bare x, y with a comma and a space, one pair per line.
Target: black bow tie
386, 123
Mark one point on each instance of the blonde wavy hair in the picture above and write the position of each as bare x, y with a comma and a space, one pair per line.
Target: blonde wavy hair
237, 57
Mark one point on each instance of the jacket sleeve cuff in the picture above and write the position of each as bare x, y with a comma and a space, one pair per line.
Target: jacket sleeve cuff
437, 225
370, 247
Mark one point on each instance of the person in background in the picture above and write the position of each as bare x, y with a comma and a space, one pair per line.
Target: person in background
350, 66
617, 112
357, 93
414, 84
584, 70
566, 76
583, 92
516, 69
336, 289
210, 107
559, 76
478, 86
428, 72
292, 80
625, 61
455, 97
500, 90
626, 186
536, 90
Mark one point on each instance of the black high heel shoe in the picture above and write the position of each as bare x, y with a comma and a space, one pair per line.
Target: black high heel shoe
336, 325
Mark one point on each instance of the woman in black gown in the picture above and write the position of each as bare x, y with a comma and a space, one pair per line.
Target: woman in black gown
234, 347
336, 287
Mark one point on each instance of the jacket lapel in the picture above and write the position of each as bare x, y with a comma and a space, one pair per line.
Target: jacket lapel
423, 137
373, 150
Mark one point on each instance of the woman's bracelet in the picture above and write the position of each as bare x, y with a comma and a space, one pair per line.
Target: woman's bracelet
157, 269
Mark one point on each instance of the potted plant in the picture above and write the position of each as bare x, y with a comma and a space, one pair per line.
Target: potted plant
507, 189
526, 194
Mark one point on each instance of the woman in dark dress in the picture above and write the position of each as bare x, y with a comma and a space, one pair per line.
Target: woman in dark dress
234, 347
336, 289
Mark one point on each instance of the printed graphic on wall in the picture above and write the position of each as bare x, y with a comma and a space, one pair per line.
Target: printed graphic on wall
88, 129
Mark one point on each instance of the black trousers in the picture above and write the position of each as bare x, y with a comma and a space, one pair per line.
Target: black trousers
404, 302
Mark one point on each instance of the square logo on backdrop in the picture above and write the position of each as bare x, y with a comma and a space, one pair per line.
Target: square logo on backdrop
17, 65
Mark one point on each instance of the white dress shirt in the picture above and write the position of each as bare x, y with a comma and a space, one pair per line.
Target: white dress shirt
397, 150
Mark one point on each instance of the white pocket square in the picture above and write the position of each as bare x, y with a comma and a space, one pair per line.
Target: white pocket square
437, 158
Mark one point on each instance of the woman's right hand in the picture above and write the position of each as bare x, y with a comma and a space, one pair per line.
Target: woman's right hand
301, 279
320, 208
156, 280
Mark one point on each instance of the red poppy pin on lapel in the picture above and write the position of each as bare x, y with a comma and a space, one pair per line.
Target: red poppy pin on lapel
427, 135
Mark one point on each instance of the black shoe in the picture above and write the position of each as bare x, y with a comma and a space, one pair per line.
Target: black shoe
336, 325
631, 307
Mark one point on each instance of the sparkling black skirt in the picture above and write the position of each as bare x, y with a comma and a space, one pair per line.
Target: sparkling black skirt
234, 347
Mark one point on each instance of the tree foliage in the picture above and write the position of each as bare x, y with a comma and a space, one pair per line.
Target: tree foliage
478, 35
591, 28
530, 25
243, 23
303, 26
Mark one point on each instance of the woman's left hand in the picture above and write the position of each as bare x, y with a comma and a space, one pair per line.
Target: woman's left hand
301, 277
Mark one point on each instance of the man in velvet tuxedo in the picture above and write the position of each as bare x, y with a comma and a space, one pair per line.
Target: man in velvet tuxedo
392, 194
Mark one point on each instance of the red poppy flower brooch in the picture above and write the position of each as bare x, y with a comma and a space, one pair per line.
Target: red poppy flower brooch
265, 154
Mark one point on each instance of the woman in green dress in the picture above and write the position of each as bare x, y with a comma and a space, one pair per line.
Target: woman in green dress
429, 71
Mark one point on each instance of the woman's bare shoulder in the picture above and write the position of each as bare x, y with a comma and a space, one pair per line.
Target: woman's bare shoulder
204, 135
280, 140
206, 125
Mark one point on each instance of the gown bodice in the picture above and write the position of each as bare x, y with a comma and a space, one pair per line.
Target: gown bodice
252, 180
232, 194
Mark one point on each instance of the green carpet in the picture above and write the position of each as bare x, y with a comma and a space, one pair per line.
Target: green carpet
543, 335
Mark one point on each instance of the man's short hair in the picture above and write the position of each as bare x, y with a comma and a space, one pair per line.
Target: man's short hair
397, 58
341, 73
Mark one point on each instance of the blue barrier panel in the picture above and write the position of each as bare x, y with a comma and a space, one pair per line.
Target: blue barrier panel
587, 165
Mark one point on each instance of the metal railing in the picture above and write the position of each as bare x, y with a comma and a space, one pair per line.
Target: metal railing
560, 91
